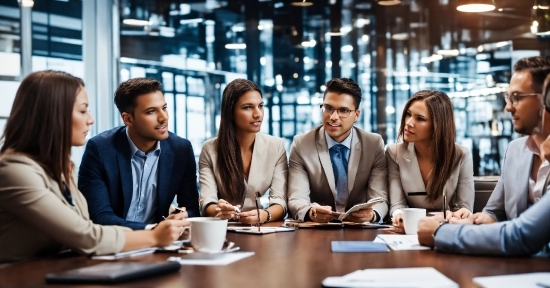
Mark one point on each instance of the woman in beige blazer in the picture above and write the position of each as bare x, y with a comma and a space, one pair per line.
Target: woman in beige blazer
241, 161
428, 164
41, 210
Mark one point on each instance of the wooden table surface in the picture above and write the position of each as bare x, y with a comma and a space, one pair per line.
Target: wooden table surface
288, 259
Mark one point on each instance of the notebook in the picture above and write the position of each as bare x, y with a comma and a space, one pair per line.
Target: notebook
113, 272
358, 246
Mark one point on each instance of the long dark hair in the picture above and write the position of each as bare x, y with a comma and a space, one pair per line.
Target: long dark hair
442, 148
40, 122
230, 164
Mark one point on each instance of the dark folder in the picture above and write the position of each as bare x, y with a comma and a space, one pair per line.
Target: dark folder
113, 272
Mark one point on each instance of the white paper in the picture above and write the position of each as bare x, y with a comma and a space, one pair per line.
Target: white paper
539, 280
392, 277
227, 258
400, 242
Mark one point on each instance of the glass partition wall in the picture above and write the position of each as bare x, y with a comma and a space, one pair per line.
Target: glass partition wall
290, 48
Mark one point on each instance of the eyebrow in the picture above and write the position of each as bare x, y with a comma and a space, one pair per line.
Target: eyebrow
251, 103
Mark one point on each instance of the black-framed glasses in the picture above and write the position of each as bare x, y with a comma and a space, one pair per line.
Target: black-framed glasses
342, 112
514, 97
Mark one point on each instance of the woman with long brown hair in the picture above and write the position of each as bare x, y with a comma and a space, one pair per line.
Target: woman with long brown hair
42, 211
241, 161
428, 166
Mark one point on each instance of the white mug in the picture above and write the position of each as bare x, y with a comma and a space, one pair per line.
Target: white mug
208, 233
411, 216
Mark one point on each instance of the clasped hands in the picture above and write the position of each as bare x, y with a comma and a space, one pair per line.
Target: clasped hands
456, 217
323, 214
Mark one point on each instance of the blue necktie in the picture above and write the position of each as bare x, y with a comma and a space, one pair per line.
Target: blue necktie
340, 169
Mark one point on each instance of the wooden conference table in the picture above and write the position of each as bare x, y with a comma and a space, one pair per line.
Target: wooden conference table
288, 259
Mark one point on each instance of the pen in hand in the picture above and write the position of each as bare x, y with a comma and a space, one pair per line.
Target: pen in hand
445, 207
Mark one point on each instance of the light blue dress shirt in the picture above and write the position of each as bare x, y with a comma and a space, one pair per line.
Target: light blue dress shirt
143, 207
346, 142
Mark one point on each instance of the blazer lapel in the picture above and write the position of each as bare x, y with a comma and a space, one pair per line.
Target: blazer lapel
324, 157
354, 160
124, 160
521, 199
255, 173
166, 161
411, 164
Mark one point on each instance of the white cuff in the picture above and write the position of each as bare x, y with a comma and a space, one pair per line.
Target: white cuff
151, 226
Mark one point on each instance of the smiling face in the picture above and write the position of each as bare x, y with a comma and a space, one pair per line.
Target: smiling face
525, 114
149, 121
338, 128
82, 119
418, 123
248, 112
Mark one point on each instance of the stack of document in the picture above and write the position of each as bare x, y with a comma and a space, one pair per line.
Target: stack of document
198, 258
541, 279
393, 277
131, 253
400, 242
262, 230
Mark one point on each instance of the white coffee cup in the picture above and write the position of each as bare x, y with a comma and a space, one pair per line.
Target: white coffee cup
411, 216
208, 233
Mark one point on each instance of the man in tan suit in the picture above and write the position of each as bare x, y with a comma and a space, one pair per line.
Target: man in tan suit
336, 165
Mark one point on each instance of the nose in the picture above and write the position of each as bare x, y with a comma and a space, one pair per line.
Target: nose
334, 115
509, 106
90, 119
257, 113
163, 116
409, 122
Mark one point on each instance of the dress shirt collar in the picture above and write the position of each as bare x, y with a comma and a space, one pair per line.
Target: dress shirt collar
134, 149
346, 142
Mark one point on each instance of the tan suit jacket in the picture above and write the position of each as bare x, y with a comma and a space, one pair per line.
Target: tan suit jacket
311, 179
37, 220
268, 173
404, 179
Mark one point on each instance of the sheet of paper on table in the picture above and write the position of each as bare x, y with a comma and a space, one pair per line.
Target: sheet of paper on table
539, 280
212, 259
400, 242
392, 277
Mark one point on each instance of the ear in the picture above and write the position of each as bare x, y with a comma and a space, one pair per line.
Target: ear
127, 118
357, 114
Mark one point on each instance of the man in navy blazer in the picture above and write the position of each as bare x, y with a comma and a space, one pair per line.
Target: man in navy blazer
131, 174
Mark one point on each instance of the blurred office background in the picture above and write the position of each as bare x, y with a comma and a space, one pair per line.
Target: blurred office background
290, 48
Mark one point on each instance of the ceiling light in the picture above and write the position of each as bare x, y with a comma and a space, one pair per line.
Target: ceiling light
191, 21
303, 3
452, 52
26, 3
475, 6
235, 46
136, 22
400, 36
389, 2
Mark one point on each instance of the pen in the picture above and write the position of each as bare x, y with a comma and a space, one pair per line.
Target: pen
445, 207
258, 204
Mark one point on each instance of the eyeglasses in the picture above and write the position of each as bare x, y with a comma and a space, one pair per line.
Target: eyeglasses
342, 112
514, 97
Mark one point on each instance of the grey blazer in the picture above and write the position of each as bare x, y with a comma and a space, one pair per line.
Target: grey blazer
407, 187
37, 220
311, 179
509, 199
521, 236
268, 173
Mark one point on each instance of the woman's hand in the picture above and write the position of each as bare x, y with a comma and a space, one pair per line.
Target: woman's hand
169, 231
397, 220
461, 213
250, 217
225, 210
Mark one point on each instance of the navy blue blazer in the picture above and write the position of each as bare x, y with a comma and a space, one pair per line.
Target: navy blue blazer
105, 178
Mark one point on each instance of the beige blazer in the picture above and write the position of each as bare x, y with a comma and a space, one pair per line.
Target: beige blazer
268, 173
311, 179
36, 219
404, 178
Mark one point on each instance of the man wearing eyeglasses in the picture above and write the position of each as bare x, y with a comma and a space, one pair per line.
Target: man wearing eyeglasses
336, 165
523, 172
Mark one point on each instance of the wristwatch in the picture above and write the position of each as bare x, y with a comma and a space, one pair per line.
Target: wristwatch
268, 216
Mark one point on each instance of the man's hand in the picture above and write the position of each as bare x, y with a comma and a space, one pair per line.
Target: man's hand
426, 229
361, 216
182, 214
320, 214
397, 221
169, 231
482, 218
